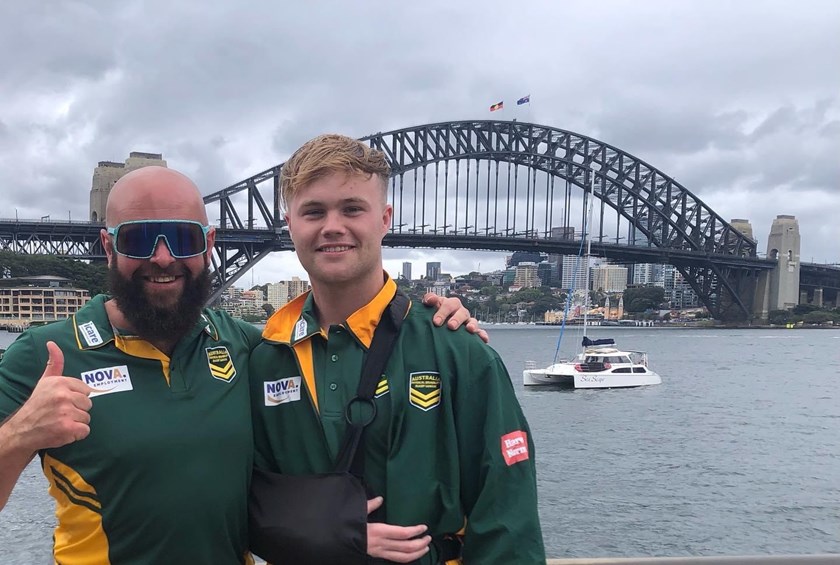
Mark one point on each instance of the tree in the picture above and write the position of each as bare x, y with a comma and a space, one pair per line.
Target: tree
780, 317
92, 276
801, 309
268, 308
817, 317
639, 299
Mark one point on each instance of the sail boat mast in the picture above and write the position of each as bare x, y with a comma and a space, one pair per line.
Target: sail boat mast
588, 199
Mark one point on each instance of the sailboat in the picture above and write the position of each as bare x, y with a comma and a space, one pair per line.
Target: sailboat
600, 364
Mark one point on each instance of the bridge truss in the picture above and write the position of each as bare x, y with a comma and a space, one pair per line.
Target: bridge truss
499, 185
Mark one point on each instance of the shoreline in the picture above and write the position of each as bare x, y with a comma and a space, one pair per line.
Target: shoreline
677, 326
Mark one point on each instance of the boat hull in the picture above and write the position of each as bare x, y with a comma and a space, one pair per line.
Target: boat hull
606, 379
568, 376
540, 377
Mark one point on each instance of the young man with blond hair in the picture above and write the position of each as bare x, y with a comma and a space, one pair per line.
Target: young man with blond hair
448, 449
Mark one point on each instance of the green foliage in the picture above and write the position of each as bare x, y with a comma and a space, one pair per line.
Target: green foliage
91, 276
818, 317
802, 309
253, 319
640, 299
780, 317
489, 290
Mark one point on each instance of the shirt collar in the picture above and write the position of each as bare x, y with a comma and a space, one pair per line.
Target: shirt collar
297, 321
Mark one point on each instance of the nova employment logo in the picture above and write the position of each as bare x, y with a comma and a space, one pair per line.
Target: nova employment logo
108, 380
282, 391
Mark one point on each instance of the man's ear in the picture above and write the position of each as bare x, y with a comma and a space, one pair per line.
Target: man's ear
105, 240
211, 240
387, 214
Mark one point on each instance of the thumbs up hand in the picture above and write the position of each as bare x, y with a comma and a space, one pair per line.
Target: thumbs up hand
57, 412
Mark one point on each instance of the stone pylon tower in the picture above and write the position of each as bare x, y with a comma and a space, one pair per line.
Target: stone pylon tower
108, 172
783, 281
742, 226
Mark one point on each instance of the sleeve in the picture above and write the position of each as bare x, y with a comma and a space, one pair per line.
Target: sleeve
21, 367
498, 473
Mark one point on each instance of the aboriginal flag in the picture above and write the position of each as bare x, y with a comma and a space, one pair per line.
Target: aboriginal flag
497, 106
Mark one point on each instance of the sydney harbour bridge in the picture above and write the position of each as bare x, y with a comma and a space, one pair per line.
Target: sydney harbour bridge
500, 186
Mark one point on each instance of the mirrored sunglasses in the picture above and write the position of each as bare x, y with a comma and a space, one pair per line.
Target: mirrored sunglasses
138, 239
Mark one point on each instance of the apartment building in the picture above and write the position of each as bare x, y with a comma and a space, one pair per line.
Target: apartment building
39, 298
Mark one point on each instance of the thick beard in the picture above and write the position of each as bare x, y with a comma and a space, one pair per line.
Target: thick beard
151, 322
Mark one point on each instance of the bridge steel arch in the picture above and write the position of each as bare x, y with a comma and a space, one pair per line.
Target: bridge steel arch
446, 189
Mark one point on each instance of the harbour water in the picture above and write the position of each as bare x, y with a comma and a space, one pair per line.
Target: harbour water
737, 452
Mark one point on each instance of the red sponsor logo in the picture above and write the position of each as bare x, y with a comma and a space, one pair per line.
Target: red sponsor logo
515, 447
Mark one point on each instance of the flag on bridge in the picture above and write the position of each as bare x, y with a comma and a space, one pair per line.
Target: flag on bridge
524, 100
497, 106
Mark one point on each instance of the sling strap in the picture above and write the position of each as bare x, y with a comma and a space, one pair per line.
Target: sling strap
351, 456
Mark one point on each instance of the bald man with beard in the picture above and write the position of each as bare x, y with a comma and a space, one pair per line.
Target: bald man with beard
138, 404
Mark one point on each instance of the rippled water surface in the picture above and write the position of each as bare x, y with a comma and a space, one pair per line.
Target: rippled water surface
735, 453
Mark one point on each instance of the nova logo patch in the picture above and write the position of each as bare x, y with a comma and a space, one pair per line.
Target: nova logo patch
515, 447
424, 390
220, 363
108, 380
282, 391
381, 387
90, 333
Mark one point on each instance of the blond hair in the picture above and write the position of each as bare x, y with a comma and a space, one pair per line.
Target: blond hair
328, 154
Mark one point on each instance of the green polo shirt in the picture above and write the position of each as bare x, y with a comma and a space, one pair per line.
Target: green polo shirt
449, 444
163, 475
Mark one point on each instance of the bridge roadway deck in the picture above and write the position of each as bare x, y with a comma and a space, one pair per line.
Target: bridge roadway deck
37, 233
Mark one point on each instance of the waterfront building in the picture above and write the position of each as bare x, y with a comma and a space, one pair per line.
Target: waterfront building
406, 270
251, 302
678, 291
277, 294
39, 298
297, 287
573, 273
648, 274
609, 278
525, 276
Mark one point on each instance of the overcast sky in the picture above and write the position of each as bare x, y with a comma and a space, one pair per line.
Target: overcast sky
740, 101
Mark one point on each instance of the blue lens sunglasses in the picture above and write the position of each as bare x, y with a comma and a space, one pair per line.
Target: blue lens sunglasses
138, 239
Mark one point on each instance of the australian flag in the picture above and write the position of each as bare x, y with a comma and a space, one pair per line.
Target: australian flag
524, 100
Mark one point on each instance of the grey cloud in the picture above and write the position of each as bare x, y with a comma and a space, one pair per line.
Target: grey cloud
723, 96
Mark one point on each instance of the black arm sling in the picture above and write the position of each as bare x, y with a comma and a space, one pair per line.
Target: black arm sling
322, 519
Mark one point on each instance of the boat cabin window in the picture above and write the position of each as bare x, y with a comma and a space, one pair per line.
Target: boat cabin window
607, 359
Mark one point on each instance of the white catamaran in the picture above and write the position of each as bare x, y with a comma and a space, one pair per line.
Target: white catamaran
599, 364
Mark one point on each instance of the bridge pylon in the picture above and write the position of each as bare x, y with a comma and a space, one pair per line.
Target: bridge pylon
778, 289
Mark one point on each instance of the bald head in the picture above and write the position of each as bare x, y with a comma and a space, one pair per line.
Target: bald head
154, 193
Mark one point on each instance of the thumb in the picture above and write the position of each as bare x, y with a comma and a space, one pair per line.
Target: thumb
55, 363
374, 503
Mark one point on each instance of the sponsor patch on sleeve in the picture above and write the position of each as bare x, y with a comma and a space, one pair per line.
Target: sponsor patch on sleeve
282, 391
515, 447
